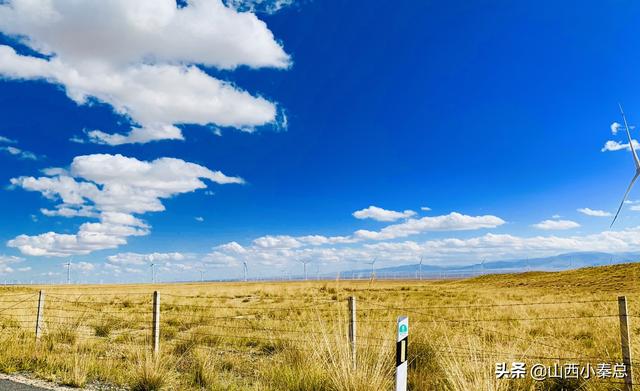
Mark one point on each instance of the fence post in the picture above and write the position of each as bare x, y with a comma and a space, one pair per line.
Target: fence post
352, 329
626, 342
39, 315
402, 346
156, 322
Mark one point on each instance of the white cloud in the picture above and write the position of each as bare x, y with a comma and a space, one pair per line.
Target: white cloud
441, 251
556, 216
7, 140
6, 261
138, 56
199, 219
24, 269
615, 127
84, 267
556, 225
317, 240
425, 208
379, 214
22, 154
451, 222
281, 241
137, 259
111, 188
613, 146
231, 247
266, 6
594, 212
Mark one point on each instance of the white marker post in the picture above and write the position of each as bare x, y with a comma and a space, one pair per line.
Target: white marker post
401, 353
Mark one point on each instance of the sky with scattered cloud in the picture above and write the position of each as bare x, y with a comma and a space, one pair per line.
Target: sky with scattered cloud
199, 135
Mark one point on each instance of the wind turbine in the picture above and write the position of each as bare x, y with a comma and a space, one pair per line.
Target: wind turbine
244, 267
420, 269
636, 161
153, 272
305, 262
68, 265
373, 268
201, 275
482, 266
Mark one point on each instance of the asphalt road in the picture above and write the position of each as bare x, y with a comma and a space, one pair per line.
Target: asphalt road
6, 385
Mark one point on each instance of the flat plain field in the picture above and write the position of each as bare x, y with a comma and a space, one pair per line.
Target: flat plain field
295, 335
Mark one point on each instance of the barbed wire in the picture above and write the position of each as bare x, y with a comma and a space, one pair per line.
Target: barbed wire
486, 330
503, 304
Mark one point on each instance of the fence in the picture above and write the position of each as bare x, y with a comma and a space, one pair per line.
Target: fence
169, 323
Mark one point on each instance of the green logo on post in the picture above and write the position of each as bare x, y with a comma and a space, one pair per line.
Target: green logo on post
403, 328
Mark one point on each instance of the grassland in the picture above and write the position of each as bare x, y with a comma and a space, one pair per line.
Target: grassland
293, 335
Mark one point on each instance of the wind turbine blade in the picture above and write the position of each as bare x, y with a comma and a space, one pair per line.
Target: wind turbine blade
633, 150
625, 196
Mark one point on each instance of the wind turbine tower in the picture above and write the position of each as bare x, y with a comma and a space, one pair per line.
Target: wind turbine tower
153, 272
636, 161
420, 269
304, 263
244, 267
373, 268
68, 265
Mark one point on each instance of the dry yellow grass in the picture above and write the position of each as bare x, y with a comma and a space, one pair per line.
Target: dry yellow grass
293, 335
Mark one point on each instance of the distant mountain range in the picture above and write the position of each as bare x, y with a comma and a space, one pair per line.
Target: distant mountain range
557, 262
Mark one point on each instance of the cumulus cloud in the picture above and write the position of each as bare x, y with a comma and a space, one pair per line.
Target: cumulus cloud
612, 146
199, 219
425, 208
451, 222
594, 212
556, 225
379, 214
113, 189
277, 242
615, 127
139, 58
137, 259
441, 251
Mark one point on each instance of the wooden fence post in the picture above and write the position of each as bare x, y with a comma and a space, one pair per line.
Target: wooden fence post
39, 315
352, 329
156, 322
626, 342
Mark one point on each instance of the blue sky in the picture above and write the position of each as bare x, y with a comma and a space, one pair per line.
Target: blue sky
492, 115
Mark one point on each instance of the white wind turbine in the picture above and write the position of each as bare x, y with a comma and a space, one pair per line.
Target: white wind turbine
420, 269
153, 272
68, 265
244, 267
636, 161
305, 262
373, 268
